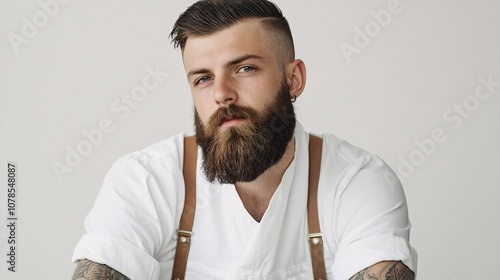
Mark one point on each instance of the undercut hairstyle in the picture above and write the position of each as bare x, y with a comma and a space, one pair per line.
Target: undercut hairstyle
206, 17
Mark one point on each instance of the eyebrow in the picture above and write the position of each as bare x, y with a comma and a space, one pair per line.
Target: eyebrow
229, 64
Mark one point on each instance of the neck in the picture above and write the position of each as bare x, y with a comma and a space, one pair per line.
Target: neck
256, 195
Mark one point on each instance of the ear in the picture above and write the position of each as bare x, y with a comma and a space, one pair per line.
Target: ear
296, 77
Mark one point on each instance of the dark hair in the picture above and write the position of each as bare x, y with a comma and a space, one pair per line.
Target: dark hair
206, 17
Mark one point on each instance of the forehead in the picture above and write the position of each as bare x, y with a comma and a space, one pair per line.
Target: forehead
243, 38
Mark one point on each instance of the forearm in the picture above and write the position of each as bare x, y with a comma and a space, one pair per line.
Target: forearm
387, 270
89, 270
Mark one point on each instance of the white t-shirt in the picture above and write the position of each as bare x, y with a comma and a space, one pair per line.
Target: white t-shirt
362, 211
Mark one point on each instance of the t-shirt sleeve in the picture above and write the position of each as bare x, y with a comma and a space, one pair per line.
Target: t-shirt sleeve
371, 221
123, 229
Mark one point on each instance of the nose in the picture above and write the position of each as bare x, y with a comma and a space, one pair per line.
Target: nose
225, 93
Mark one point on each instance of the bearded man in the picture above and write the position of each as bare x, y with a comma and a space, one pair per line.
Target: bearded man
254, 158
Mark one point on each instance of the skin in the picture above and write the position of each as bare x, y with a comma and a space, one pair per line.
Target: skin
386, 270
89, 270
237, 66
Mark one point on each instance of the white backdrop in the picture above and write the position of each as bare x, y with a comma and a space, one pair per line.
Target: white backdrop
416, 82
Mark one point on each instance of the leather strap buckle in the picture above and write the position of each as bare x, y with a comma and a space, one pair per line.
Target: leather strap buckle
312, 235
185, 232
184, 236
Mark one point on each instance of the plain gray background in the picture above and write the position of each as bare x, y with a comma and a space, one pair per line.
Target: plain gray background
65, 67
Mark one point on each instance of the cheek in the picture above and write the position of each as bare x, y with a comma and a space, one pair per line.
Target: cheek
203, 109
263, 94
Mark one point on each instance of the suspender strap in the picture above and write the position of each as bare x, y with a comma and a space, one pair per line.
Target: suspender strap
315, 236
186, 224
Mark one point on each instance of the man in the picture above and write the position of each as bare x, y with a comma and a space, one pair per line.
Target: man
241, 68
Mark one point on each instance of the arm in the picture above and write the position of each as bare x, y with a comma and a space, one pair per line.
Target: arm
89, 270
386, 270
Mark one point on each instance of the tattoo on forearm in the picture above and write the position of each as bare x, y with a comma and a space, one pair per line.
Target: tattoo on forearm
385, 271
89, 270
359, 275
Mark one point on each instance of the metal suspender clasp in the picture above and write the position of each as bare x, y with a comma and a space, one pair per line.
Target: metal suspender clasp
316, 237
184, 235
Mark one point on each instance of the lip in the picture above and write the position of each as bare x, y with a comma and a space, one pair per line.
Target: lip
231, 122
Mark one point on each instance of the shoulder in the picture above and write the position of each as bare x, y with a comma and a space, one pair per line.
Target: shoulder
342, 150
344, 158
364, 212
357, 185
345, 166
156, 169
166, 152
147, 182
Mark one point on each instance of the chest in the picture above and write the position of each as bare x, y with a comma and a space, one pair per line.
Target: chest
255, 206
229, 240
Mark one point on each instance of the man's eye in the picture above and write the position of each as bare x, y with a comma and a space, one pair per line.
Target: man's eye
202, 80
245, 69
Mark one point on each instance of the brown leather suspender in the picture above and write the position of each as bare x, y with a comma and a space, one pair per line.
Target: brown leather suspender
186, 224
315, 236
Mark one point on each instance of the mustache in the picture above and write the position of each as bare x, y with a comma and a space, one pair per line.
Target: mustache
231, 112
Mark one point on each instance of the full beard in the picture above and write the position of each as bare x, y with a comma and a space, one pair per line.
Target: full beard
243, 152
